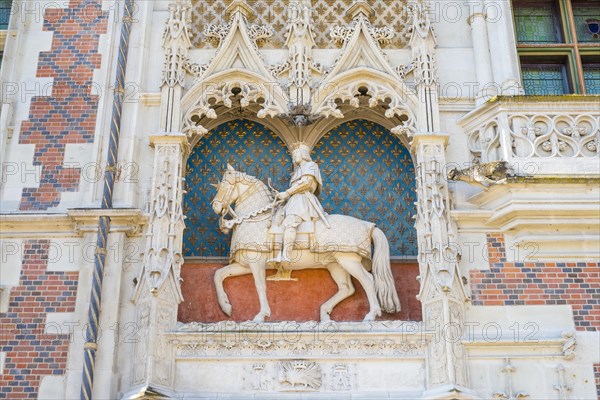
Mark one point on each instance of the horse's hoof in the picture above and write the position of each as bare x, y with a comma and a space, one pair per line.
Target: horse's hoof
372, 315
227, 309
259, 318
325, 317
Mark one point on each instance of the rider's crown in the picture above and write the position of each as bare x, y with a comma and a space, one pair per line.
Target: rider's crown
300, 146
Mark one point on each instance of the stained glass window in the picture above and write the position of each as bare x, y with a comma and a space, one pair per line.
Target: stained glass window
585, 11
537, 22
5, 9
549, 79
591, 75
558, 62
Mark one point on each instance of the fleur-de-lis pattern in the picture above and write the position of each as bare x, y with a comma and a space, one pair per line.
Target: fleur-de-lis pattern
326, 14
247, 146
369, 174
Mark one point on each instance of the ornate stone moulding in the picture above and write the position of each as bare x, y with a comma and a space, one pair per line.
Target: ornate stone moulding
381, 339
237, 77
561, 346
74, 222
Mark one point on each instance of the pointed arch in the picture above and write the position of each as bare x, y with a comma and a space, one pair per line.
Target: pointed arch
362, 69
237, 70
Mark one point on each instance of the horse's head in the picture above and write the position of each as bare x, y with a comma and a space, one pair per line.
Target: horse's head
227, 191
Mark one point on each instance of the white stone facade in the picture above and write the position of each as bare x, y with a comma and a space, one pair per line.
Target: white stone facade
451, 95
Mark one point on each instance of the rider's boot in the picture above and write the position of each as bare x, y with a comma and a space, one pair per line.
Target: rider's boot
289, 237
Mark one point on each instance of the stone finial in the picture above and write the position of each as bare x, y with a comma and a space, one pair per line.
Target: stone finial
361, 7
238, 6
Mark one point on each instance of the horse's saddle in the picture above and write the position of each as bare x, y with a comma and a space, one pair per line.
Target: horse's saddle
305, 234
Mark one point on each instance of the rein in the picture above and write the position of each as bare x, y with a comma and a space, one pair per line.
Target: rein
225, 225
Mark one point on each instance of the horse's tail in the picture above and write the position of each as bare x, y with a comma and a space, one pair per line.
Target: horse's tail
382, 272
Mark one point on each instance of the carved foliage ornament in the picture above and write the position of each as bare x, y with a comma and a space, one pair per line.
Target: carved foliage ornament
368, 94
382, 35
243, 93
327, 13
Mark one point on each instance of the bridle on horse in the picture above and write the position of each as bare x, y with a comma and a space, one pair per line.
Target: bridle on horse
225, 225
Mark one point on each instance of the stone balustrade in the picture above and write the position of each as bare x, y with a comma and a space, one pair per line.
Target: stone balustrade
537, 135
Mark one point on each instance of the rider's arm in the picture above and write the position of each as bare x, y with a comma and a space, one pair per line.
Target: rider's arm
302, 185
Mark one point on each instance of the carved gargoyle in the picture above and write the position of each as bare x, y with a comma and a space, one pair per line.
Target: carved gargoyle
483, 175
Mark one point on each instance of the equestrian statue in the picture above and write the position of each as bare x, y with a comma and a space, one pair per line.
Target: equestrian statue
290, 231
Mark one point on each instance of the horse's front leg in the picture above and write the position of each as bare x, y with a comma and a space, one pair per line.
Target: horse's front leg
221, 274
260, 282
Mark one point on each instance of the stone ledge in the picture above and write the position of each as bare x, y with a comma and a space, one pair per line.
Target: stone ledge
73, 223
519, 205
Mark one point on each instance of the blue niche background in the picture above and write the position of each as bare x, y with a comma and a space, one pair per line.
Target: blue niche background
249, 147
367, 173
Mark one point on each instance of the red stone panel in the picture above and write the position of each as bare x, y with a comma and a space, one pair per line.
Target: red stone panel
527, 283
289, 300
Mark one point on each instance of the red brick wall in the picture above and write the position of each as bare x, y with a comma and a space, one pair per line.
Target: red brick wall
68, 115
32, 354
525, 283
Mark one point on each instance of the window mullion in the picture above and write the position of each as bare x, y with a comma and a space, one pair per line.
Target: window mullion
578, 79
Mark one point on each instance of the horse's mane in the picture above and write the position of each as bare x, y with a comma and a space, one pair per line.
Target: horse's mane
252, 179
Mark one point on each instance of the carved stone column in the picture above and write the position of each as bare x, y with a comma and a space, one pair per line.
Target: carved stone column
442, 292
158, 290
423, 43
502, 44
300, 42
481, 50
176, 44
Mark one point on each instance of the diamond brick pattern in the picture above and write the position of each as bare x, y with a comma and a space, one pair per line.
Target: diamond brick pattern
68, 115
31, 353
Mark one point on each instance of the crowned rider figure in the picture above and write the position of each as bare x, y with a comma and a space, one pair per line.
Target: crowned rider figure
302, 202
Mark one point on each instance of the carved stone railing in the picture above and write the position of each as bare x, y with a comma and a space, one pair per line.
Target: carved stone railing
537, 135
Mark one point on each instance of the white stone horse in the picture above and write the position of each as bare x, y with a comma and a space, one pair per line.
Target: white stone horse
344, 249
